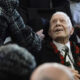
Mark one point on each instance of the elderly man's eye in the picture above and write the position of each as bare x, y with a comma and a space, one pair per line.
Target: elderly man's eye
54, 21
63, 21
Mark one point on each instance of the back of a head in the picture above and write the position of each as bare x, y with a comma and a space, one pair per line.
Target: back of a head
16, 63
52, 71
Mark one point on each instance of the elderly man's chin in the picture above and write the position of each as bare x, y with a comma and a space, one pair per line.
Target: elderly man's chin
59, 37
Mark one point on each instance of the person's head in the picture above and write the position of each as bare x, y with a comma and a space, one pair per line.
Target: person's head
60, 27
52, 71
16, 63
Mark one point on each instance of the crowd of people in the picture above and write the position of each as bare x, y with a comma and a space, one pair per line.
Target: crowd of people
39, 40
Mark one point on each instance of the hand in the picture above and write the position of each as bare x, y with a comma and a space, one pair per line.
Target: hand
75, 73
40, 33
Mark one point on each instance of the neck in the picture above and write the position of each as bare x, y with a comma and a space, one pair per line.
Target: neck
62, 40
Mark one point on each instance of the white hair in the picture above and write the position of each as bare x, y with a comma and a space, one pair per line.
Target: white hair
66, 17
61, 67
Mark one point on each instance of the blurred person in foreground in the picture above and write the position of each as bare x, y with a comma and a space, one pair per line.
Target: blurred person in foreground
52, 71
16, 63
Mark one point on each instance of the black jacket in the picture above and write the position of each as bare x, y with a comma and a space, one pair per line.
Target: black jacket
11, 24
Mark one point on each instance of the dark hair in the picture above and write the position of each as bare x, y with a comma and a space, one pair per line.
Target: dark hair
16, 63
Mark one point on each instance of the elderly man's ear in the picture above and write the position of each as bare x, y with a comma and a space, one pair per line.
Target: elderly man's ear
72, 31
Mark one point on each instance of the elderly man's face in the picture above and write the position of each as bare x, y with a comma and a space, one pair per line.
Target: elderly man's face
59, 27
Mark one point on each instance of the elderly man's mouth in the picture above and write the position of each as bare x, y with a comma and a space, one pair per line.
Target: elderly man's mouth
58, 30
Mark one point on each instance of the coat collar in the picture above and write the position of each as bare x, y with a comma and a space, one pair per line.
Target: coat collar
75, 53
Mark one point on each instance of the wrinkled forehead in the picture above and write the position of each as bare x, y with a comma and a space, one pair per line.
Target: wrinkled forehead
59, 16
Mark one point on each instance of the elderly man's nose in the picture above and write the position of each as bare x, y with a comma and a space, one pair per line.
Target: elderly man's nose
58, 22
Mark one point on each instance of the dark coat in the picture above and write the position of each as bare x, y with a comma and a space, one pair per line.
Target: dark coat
11, 24
49, 53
